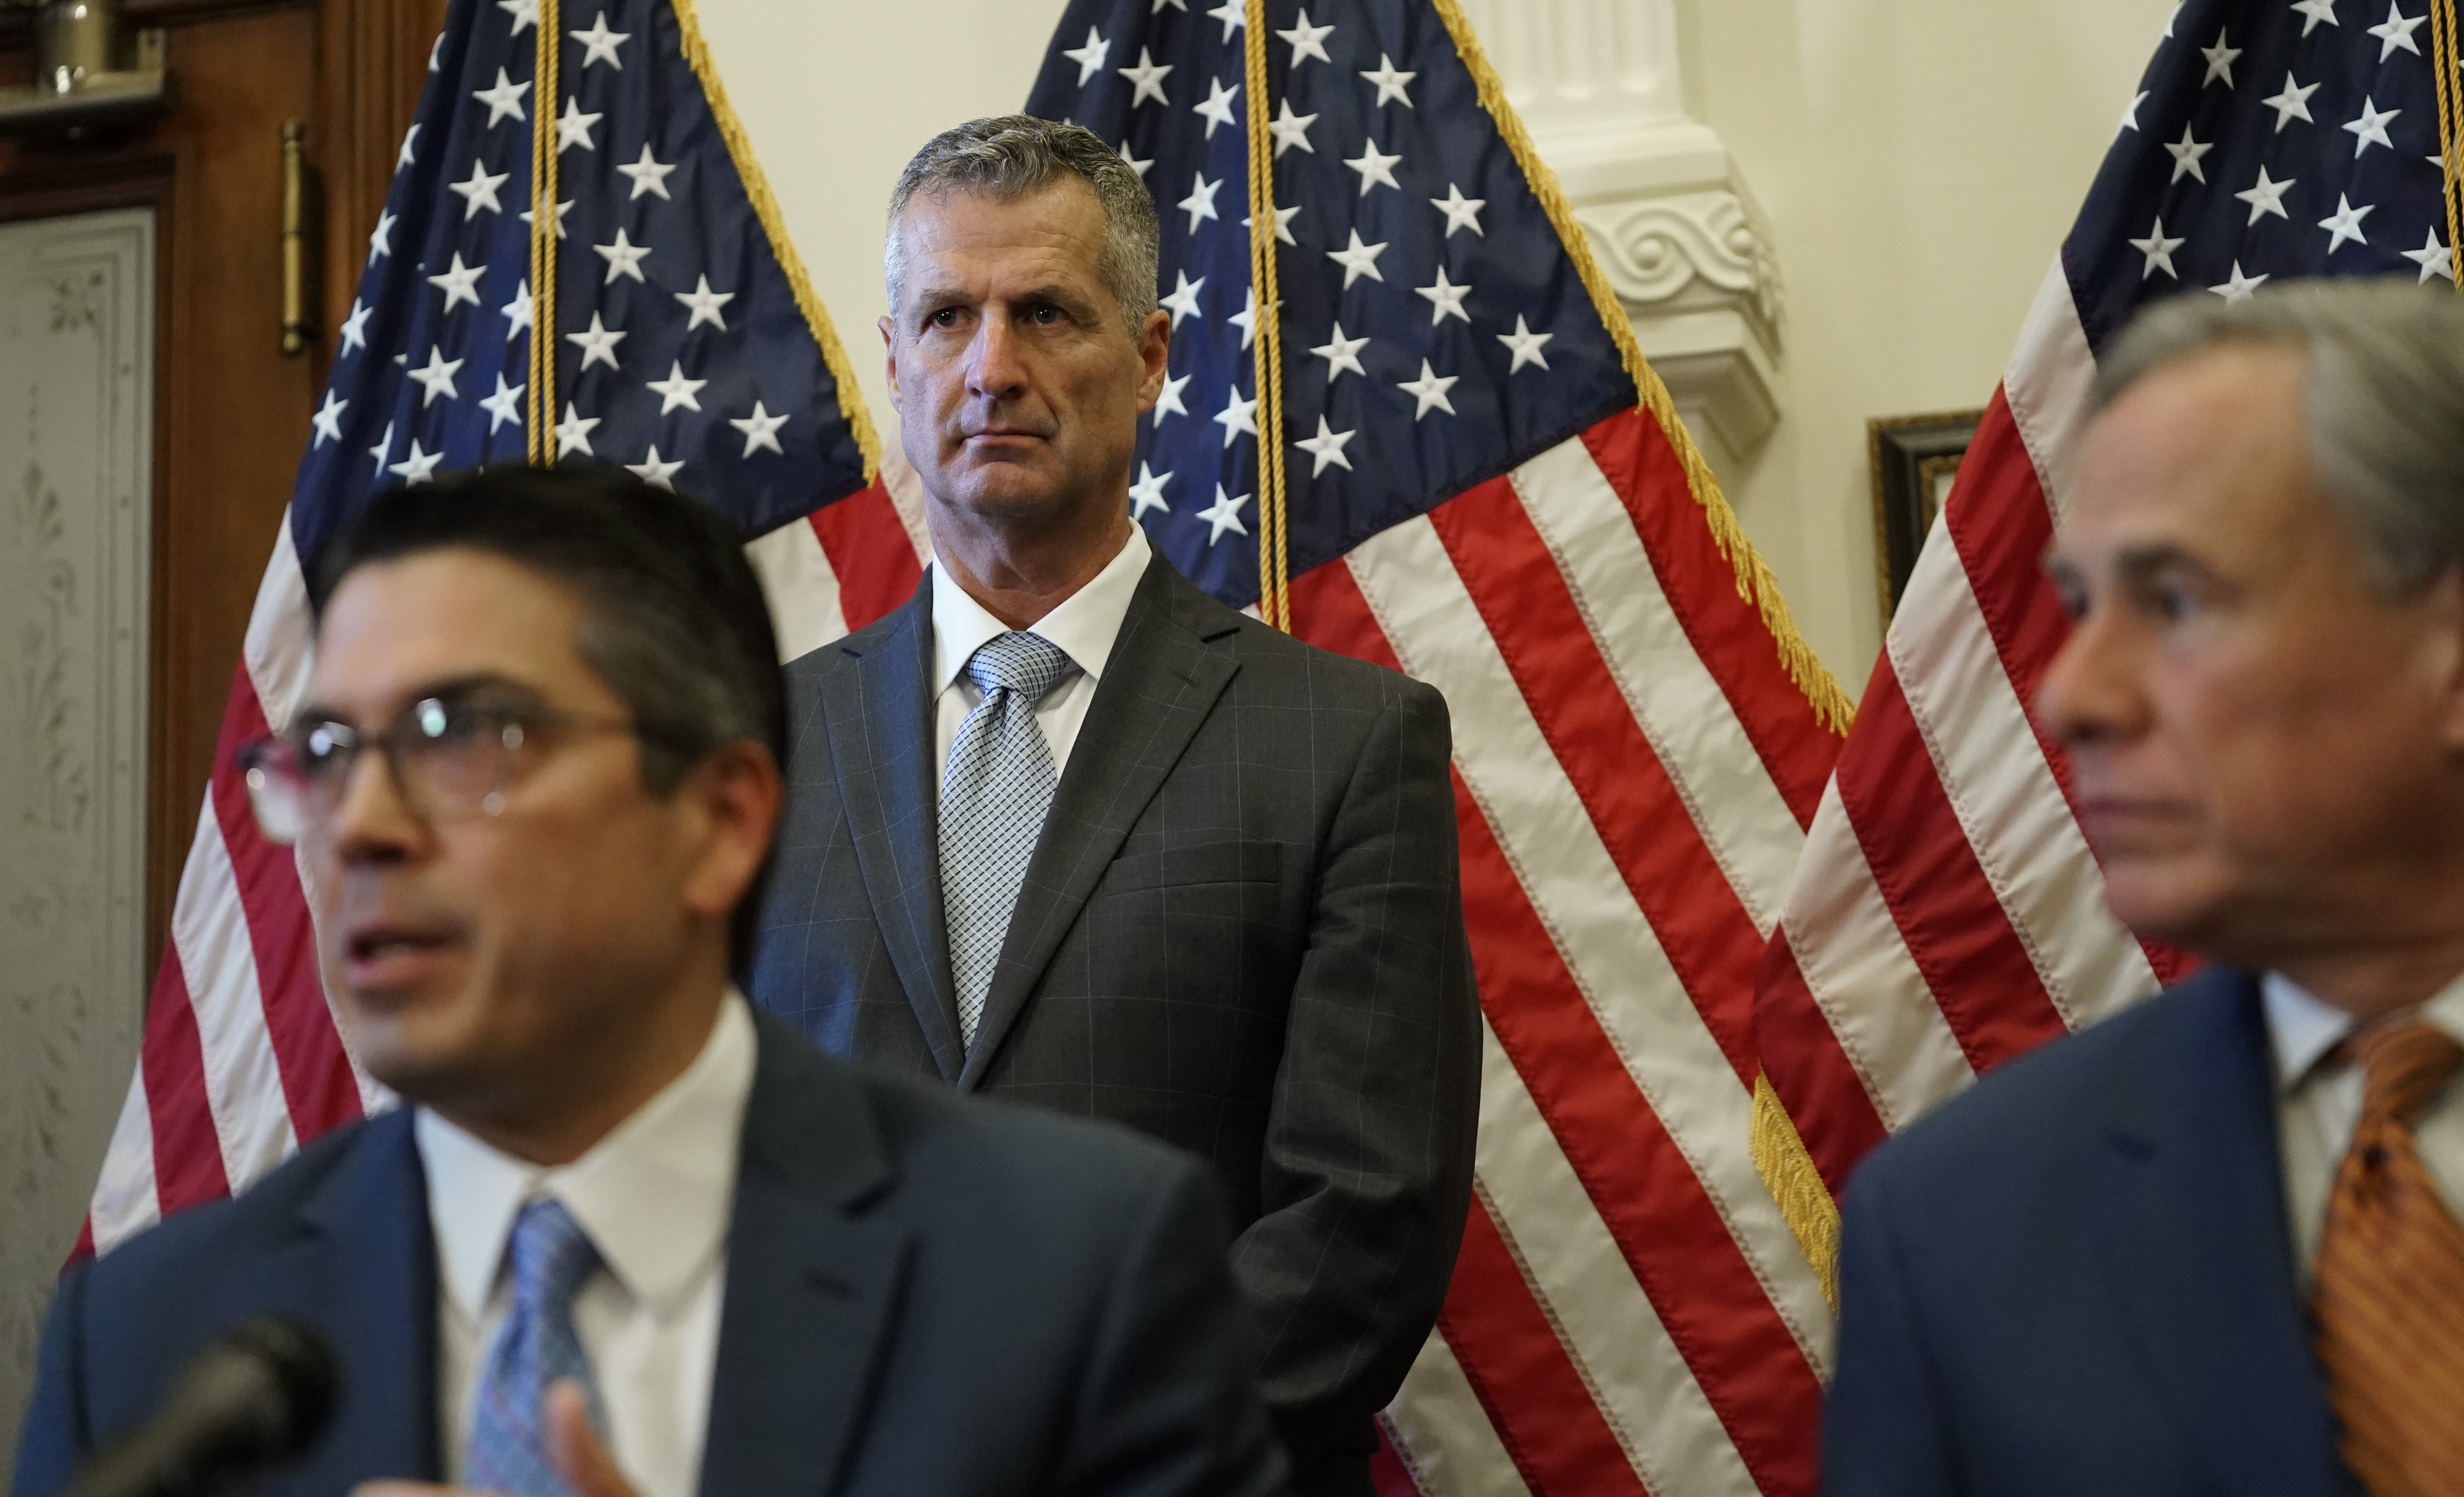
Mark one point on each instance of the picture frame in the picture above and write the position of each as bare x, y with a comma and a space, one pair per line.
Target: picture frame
1913, 461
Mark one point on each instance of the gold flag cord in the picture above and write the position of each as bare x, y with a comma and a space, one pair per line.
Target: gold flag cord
1274, 578
543, 237
2445, 48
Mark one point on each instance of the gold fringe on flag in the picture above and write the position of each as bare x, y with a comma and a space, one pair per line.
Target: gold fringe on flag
1274, 575
544, 227
2445, 48
1787, 1168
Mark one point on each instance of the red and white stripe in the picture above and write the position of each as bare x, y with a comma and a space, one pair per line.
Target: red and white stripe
241, 1060
1946, 913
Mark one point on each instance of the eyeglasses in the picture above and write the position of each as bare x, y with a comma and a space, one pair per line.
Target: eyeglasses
448, 758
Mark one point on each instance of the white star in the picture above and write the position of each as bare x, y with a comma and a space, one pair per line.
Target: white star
2315, 11
675, 390
704, 304
2130, 114
328, 418
1372, 167
573, 433
2346, 223
2433, 258
1136, 164
1223, 514
410, 147
1284, 217
383, 449
503, 100
479, 190
2186, 153
573, 127
525, 14
1168, 401
1247, 319
2396, 31
1200, 202
1444, 299
2293, 99
651, 471
1290, 129
1390, 83
598, 345
355, 327
1146, 79
2240, 288
506, 405
1237, 416
1183, 6
1357, 259
434, 47
1430, 390
646, 175
2220, 60
1089, 57
2159, 250
460, 283
562, 208
1147, 494
437, 378
380, 237
761, 429
1525, 344
1308, 41
599, 44
1233, 14
1326, 447
1461, 212
2268, 197
1183, 300
517, 312
417, 467
624, 257
1217, 107
2370, 129
1341, 353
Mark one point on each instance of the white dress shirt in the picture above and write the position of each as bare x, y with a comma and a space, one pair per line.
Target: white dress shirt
1085, 626
655, 1197
2318, 1104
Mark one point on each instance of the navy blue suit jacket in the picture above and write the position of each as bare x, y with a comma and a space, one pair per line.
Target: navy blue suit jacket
2078, 1277
925, 1294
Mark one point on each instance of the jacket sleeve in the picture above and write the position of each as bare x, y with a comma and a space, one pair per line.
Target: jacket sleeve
1885, 1432
1367, 1169
54, 1437
1167, 1407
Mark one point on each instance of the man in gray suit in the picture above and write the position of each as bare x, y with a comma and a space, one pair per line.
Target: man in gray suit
1066, 829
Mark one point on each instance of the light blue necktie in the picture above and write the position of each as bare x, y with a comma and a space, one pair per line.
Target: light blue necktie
509, 1449
994, 795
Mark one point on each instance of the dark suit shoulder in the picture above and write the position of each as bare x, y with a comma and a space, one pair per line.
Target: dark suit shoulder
1260, 646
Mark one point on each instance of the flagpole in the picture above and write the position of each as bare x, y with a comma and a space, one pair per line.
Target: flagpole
2444, 50
1274, 580
544, 227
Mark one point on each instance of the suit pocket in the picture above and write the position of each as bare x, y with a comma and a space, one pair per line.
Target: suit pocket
1160, 865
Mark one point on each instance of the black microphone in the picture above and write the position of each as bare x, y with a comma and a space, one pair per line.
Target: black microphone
252, 1399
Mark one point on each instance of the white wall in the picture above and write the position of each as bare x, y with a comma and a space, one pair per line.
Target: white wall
1919, 160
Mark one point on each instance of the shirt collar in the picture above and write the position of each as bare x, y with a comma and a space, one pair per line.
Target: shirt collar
1084, 627
654, 1195
2305, 1028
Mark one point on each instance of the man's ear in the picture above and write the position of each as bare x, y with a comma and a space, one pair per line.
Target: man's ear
890, 355
734, 793
1155, 355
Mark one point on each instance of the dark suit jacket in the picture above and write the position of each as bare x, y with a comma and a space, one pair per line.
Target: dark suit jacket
924, 1295
2079, 1278
1242, 933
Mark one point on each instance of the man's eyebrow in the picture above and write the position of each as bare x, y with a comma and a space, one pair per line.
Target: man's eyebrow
2138, 562
449, 689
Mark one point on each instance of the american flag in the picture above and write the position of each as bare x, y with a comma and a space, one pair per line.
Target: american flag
1947, 913
1489, 490
687, 346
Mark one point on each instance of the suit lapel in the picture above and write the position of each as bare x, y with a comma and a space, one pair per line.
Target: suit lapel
881, 740
1158, 685
2198, 1250
811, 1288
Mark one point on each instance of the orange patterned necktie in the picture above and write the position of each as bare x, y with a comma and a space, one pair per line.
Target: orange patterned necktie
2390, 1296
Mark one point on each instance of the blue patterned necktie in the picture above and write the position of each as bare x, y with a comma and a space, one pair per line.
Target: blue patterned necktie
994, 795
509, 1449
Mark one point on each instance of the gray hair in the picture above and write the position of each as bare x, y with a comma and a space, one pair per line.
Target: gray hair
2384, 391
1013, 155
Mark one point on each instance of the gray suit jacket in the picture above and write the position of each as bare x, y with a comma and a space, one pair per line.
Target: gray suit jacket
1242, 933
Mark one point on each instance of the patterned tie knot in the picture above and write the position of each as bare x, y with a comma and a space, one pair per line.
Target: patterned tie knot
1026, 664
2403, 1068
552, 1256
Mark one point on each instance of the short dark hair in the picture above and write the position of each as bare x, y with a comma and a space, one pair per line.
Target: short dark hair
673, 618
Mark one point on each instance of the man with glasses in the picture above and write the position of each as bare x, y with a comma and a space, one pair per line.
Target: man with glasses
533, 783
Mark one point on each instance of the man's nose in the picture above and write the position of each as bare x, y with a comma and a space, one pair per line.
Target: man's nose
2094, 692
996, 368
374, 821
